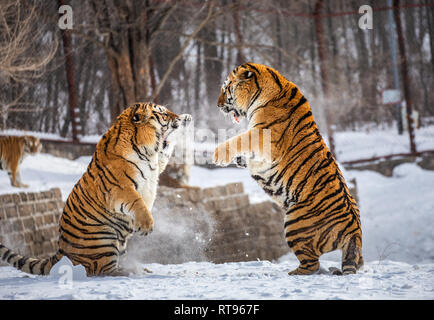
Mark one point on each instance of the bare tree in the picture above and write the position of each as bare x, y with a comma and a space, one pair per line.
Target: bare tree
17, 42
127, 29
18, 62
178, 52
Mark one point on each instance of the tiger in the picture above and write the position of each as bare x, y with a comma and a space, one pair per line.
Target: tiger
114, 197
13, 150
297, 170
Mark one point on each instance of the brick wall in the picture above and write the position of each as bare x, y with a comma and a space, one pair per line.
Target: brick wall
29, 221
243, 231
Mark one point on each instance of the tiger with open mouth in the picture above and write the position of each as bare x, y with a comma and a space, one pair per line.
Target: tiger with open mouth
114, 197
297, 171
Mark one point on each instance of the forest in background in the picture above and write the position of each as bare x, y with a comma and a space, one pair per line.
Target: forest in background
178, 53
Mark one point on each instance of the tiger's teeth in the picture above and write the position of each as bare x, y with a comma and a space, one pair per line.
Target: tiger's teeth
234, 118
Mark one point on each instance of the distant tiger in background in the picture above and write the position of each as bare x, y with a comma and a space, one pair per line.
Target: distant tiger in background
300, 174
115, 195
13, 150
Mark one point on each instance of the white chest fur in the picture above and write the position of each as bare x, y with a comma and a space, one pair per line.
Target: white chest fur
146, 178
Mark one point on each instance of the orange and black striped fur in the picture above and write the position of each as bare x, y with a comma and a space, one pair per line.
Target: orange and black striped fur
297, 171
114, 197
13, 149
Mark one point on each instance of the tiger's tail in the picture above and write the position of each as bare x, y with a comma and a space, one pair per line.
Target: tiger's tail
27, 264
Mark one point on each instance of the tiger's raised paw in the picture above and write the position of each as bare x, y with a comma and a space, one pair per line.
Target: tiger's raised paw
144, 232
144, 225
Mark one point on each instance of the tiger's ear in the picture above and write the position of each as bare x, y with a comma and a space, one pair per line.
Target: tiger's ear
246, 75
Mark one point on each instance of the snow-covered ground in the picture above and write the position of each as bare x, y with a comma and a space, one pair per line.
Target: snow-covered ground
44, 171
241, 280
397, 216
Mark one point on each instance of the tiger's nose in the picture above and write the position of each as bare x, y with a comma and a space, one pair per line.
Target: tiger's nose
221, 100
175, 124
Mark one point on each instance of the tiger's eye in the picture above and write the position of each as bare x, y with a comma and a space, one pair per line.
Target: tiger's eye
136, 117
247, 74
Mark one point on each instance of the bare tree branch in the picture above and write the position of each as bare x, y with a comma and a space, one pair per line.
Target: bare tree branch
17, 40
184, 47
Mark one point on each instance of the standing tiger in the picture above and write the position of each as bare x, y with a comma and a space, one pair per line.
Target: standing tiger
298, 171
115, 195
13, 150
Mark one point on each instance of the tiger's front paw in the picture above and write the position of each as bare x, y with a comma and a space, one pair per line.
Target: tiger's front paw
20, 185
143, 224
222, 156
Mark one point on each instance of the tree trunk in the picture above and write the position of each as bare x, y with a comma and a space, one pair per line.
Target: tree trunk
197, 77
126, 50
238, 35
213, 64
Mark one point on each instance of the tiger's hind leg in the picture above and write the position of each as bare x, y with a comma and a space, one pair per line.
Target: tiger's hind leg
107, 266
309, 263
20, 183
102, 261
352, 259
